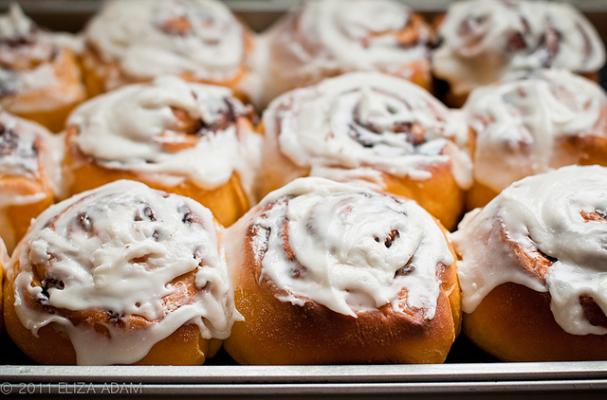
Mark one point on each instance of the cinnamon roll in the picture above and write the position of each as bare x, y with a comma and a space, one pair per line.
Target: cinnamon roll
122, 274
3, 264
532, 268
325, 38
326, 272
486, 41
138, 40
371, 128
30, 159
547, 119
39, 71
191, 139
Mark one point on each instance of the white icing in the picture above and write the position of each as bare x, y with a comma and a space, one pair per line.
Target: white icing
337, 233
101, 270
131, 33
122, 130
321, 38
19, 159
315, 127
541, 212
14, 24
519, 124
481, 41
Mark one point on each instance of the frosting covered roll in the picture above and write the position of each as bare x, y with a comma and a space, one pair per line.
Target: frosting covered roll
546, 233
169, 134
119, 270
547, 119
318, 245
366, 127
39, 74
485, 41
138, 40
325, 38
29, 174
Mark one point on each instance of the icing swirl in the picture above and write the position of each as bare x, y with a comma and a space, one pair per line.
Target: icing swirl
348, 248
170, 128
484, 41
28, 54
28, 150
367, 121
520, 124
323, 38
121, 268
546, 232
198, 38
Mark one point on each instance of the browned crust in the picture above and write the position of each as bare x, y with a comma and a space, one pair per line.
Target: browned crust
588, 148
227, 202
515, 323
276, 332
19, 216
52, 345
440, 194
58, 106
98, 74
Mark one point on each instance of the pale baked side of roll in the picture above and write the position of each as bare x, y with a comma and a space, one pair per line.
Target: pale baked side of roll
187, 138
30, 177
484, 41
3, 264
39, 71
122, 274
546, 119
331, 273
139, 40
325, 38
532, 268
371, 128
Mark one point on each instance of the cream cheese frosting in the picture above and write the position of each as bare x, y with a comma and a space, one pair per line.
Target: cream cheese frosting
321, 38
353, 249
519, 124
152, 38
124, 129
368, 121
118, 249
484, 41
544, 215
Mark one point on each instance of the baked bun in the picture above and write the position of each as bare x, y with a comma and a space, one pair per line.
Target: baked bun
39, 73
321, 39
122, 274
191, 139
532, 268
139, 40
329, 273
485, 41
30, 159
371, 128
547, 119
3, 264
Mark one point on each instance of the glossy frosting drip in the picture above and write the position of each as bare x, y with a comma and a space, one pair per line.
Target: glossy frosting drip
368, 120
520, 123
556, 222
170, 128
486, 40
107, 267
348, 248
151, 38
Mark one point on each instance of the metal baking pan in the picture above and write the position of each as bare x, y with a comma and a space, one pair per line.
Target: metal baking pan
468, 372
